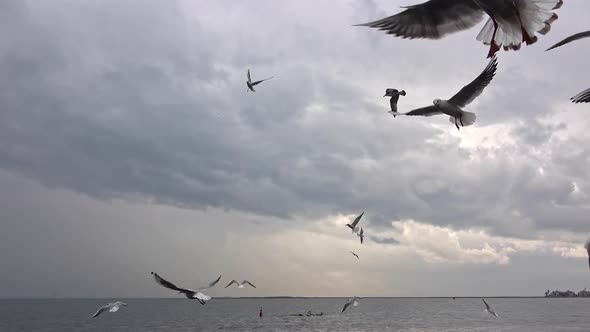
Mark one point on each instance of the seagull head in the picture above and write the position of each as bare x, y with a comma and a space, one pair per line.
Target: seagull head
437, 102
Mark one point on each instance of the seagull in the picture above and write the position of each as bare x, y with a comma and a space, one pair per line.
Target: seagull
211, 284
510, 22
361, 235
355, 222
189, 293
355, 255
251, 84
489, 309
454, 106
587, 246
570, 39
240, 285
352, 301
394, 94
584, 96
111, 307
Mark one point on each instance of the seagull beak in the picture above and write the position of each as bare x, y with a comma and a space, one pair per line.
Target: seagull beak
385, 95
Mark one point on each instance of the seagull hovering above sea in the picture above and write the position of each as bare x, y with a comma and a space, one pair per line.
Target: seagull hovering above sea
354, 224
251, 84
211, 284
189, 293
394, 94
510, 22
584, 96
489, 309
111, 307
352, 301
355, 255
240, 285
454, 106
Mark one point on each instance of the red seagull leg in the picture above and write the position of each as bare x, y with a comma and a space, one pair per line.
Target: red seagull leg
493, 46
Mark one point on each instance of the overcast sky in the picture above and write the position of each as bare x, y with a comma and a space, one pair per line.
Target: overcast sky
128, 144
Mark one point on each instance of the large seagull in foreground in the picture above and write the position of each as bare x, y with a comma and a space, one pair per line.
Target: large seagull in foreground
584, 96
510, 22
454, 106
189, 293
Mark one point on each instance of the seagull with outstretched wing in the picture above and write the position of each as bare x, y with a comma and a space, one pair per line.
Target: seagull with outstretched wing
489, 309
355, 255
240, 285
189, 293
584, 96
111, 307
354, 224
251, 84
454, 106
510, 22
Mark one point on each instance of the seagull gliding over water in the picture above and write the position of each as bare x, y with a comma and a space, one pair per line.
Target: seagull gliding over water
240, 285
352, 301
189, 293
111, 307
489, 309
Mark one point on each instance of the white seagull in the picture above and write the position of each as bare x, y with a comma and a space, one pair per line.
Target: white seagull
489, 309
189, 293
211, 284
251, 84
584, 96
587, 246
240, 285
454, 106
111, 307
354, 224
510, 22
360, 235
352, 301
394, 94
355, 255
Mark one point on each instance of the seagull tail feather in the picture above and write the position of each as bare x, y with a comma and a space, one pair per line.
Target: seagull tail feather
468, 118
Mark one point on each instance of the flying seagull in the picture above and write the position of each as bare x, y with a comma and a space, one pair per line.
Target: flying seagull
355, 255
354, 224
584, 96
587, 246
240, 285
251, 84
352, 301
111, 307
454, 106
489, 309
510, 22
189, 293
360, 234
211, 284
394, 94
570, 39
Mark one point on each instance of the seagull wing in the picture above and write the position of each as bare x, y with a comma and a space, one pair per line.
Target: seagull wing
231, 283
346, 305
169, 285
211, 284
266, 79
487, 305
475, 88
432, 19
570, 39
361, 236
357, 219
248, 77
582, 97
424, 111
100, 310
355, 255
247, 282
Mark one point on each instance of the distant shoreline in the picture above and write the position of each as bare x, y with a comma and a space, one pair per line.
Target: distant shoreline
290, 297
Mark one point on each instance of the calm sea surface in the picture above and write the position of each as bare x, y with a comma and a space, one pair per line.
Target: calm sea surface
372, 314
